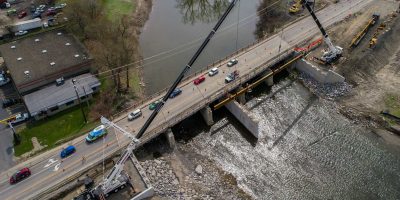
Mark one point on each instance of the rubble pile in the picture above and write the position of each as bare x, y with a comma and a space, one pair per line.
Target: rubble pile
330, 91
162, 178
202, 182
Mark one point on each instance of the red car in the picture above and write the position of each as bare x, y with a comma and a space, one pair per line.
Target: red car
51, 13
199, 80
22, 15
20, 175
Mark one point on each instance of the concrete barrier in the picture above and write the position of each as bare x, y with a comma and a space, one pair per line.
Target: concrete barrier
320, 75
247, 119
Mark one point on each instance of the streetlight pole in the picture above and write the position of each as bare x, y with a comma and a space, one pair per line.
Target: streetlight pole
16, 138
79, 100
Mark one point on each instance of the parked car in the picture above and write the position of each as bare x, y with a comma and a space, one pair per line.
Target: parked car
20, 175
60, 6
22, 14
51, 13
213, 71
96, 133
5, 5
199, 80
4, 80
19, 33
11, 12
135, 114
19, 118
175, 93
232, 62
232, 76
10, 102
67, 151
153, 105
36, 14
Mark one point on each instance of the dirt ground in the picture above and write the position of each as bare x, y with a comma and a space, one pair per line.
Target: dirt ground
373, 73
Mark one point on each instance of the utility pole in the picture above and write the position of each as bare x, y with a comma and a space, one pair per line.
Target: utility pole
87, 101
16, 138
79, 100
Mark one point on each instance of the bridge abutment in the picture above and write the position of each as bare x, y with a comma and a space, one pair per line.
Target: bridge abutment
246, 118
207, 114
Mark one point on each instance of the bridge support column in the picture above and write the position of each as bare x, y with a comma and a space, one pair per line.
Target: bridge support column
170, 138
207, 114
269, 81
241, 98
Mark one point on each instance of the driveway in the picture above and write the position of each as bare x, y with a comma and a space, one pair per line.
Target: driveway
6, 137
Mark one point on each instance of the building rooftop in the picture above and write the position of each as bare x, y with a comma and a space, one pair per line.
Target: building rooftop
41, 56
53, 95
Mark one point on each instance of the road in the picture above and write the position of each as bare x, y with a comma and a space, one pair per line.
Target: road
50, 169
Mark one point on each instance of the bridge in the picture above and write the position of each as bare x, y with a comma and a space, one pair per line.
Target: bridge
49, 172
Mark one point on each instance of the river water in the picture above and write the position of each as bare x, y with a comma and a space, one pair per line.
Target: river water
176, 28
310, 151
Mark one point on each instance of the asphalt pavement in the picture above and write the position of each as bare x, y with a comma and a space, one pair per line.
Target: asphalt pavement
48, 169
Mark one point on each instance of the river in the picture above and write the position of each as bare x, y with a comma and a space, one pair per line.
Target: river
176, 28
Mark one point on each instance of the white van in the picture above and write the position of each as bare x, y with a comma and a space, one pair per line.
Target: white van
135, 114
213, 71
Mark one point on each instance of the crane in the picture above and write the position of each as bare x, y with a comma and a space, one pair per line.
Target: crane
334, 52
117, 179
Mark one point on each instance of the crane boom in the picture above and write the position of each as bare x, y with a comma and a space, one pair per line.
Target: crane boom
335, 52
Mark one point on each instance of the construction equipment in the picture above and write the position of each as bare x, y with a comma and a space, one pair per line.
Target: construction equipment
116, 179
310, 47
374, 40
383, 28
357, 39
334, 52
296, 6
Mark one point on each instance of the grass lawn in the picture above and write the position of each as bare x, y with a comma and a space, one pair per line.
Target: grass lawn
115, 8
63, 125
393, 104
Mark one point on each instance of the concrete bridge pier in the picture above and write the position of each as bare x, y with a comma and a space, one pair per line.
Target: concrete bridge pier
170, 138
241, 98
270, 80
207, 114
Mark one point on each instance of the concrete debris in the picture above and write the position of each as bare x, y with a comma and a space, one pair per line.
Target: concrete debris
199, 169
198, 184
329, 91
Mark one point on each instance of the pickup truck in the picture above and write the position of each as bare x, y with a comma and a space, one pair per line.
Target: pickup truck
232, 76
20, 117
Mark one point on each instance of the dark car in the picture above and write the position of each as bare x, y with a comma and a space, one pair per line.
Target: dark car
67, 151
232, 76
199, 80
232, 62
22, 15
153, 105
37, 14
51, 12
175, 93
20, 175
10, 102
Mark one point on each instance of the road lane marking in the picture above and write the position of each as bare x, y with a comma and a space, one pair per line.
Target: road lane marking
50, 162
